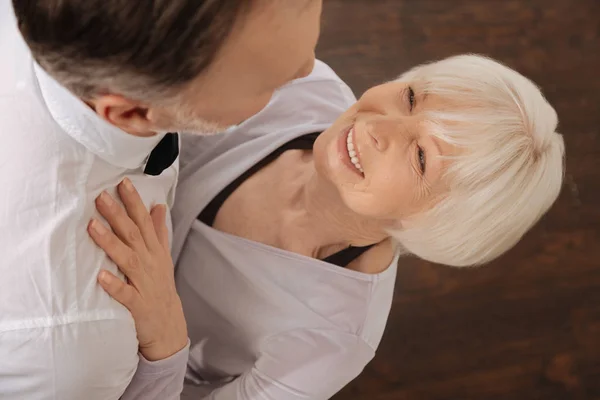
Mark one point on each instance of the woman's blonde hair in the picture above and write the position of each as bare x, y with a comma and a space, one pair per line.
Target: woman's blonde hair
509, 169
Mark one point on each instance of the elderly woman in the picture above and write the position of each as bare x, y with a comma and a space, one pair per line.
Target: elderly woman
288, 228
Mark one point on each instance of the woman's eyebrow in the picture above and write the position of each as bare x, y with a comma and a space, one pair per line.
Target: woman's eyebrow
436, 143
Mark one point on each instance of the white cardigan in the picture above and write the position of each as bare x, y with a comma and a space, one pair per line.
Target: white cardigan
265, 323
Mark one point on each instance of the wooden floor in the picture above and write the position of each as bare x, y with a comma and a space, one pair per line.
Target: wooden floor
526, 327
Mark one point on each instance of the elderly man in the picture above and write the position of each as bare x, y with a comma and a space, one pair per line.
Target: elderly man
89, 90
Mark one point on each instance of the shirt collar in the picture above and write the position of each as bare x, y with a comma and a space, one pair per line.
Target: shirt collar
108, 142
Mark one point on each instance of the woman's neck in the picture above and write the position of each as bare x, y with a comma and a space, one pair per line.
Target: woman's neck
318, 213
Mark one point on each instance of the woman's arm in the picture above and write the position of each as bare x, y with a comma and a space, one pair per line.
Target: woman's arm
158, 380
296, 365
139, 246
299, 365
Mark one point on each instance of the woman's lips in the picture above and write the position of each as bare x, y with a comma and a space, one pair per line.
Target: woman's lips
353, 151
346, 145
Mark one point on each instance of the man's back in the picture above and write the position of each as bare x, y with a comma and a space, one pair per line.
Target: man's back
61, 335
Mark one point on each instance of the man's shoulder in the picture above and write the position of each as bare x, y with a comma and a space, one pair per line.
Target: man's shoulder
26, 124
16, 58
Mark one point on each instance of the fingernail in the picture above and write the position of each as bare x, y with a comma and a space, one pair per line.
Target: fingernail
106, 199
128, 185
104, 277
98, 227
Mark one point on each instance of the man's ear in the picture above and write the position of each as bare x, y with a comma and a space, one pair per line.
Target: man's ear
128, 115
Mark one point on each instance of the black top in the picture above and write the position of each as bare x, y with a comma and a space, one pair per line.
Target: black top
341, 258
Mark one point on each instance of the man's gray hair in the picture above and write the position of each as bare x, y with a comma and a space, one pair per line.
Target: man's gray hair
144, 50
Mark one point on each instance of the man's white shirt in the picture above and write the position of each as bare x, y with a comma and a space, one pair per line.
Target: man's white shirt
61, 336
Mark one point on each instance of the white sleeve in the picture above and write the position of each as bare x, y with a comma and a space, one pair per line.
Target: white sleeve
300, 365
159, 380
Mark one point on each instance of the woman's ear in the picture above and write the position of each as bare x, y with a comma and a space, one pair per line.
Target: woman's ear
127, 115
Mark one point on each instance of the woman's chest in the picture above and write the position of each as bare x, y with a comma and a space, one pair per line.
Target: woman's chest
257, 209
237, 294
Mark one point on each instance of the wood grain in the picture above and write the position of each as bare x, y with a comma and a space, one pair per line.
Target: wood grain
527, 326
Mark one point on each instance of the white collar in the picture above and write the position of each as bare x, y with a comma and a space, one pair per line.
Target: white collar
87, 128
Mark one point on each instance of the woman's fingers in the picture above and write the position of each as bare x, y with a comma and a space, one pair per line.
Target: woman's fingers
119, 221
127, 260
150, 294
159, 220
136, 209
140, 248
119, 290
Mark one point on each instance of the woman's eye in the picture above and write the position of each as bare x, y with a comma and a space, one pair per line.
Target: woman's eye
421, 159
411, 98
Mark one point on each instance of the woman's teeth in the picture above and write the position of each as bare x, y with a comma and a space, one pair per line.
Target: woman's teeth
352, 152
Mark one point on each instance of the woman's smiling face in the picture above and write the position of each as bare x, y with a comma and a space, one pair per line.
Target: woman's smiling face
380, 156
463, 153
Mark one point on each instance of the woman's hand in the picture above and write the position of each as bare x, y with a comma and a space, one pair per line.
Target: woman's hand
140, 248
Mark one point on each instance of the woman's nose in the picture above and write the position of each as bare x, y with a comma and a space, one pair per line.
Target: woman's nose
384, 131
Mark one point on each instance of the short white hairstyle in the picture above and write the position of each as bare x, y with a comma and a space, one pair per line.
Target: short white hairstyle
509, 169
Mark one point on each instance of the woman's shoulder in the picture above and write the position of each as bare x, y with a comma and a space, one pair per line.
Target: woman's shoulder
316, 100
305, 105
377, 260
321, 73
322, 85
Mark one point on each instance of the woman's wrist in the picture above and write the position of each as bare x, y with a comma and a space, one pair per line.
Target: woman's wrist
171, 340
163, 350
